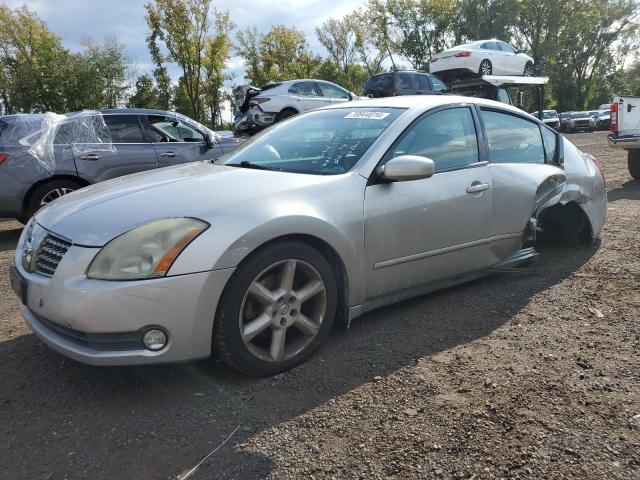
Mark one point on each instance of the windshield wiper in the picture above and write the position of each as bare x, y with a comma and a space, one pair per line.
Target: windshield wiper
255, 166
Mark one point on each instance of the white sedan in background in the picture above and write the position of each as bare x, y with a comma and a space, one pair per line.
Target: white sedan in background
259, 108
484, 57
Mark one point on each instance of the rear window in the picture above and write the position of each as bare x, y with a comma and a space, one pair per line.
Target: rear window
380, 82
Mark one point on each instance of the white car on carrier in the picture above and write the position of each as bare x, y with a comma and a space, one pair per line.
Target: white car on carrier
483, 57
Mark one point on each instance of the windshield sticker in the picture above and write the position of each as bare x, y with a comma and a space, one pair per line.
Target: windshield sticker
368, 115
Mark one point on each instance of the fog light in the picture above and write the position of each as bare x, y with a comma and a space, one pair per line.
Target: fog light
154, 339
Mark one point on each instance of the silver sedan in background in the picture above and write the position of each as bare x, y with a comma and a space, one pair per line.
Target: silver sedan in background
326, 215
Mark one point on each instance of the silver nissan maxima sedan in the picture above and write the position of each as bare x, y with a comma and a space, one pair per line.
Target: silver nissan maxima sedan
326, 215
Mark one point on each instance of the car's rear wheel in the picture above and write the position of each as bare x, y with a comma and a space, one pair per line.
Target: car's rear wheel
47, 193
633, 162
528, 69
277, 308
485, 68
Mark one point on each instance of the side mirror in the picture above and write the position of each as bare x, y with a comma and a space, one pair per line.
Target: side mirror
407, 167
350, 96
210, 139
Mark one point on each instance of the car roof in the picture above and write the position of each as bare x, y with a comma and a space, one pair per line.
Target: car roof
143, 111
423, 101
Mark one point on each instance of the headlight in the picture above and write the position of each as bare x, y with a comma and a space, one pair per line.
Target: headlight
145, 252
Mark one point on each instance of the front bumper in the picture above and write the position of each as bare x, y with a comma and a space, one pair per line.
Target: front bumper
627, 143
76, 315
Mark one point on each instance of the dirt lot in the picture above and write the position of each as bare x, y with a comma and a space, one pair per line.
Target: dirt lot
514, 376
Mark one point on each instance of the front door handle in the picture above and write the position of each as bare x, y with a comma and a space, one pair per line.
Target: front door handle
477, 187
168, 154
90, 156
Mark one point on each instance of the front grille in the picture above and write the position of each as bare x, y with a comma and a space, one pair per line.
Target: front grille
582, 123
50, 252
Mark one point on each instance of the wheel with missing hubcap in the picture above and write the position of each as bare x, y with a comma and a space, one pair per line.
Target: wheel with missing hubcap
276, 309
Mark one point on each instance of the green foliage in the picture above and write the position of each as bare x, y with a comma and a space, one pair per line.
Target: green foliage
280, 54
146, 94
38, 74
197, 46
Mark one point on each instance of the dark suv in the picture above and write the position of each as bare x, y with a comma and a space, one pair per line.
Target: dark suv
45, 156
403, 83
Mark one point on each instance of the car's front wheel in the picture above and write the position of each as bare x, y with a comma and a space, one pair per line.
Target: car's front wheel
528, 70
277, 308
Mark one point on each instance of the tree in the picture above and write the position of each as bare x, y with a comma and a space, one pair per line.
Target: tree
587, 43
536, 27
421, 28
146, 94
111, 68
340, 38
217, 51
480, 19
184, 28
33, 63
280, 54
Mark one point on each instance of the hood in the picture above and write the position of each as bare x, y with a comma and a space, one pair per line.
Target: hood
96, 214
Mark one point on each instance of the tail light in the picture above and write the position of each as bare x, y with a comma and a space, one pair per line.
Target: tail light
433, 60
614, 117
600, 169
3, 157
258, 100
462, 54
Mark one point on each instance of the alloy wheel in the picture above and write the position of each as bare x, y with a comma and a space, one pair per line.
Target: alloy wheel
55, 194
485, 67
528, 70
282, 310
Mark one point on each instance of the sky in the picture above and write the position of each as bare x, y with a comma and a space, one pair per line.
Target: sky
74, 20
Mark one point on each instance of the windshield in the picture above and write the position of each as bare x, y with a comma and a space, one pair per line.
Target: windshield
547, 115
324, 142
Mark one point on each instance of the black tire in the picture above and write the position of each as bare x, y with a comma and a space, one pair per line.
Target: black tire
286, 113
485, 68
41, 192
633, 162
528, 69
227, 340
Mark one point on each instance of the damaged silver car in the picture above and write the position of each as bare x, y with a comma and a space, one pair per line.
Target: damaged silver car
325, 216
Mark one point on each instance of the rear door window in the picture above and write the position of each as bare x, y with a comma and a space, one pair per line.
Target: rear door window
512, 139
124, 128
304, 89
404, 81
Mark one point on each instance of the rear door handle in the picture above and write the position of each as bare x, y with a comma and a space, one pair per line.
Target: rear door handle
168, 154
477, 187
90, 156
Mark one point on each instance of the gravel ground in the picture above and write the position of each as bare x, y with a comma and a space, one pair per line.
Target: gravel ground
523, 375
